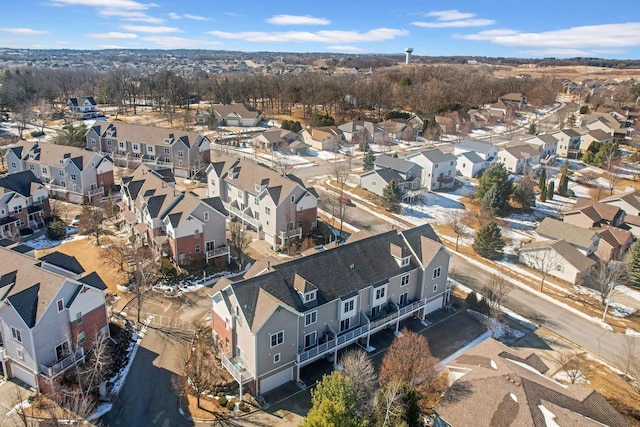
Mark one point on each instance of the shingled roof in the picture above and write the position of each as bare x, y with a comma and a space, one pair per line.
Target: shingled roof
146, 134
20, 182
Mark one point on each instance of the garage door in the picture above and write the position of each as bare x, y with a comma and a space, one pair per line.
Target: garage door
433, 305
22, 374
276, 380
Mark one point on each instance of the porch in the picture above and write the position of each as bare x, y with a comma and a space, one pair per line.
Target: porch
54, 369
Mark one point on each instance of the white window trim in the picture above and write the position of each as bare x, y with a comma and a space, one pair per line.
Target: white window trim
435, 288
309, 315
15, 332
404, 277
276, 356
437, 272
58, 303
276, 334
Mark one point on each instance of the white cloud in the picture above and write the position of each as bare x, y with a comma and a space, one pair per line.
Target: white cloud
453, 19
24, 31
589, 36
330, 37
130, 15
112, 35
344, 48
297, 20
449, 15
455, 24
110, 4
172, 42
235, 15
558, 52
149, 29
174, 15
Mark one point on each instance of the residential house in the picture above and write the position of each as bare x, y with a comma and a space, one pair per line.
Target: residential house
323, 138
558, 257
514, 98
609, 125
520, 159
398, 129
173, 223
568, 143
438, 168
628, 201
236, 115
183, 152
474, 156
274, 138
51, 313
584, 240
632, 222
70, 173
203, 117
587, 213
547, 145
24, 203
495, 385
588, 137
499, 110
614, 243
356, 131
83, 108
277, 207
289, 315
386, 169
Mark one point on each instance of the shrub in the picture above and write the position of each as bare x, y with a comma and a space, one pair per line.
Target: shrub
37, 133
57, 229
231, 405
243, 407
223, 401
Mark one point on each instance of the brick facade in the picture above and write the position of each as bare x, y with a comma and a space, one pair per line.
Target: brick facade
225, 336
187, 246
91, 324
107, 181
308, 217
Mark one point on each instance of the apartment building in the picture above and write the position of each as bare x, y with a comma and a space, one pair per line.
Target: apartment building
83, 108
278, 207
51, 313
24, 203
183, 152
173, 223
283, 317
70, 173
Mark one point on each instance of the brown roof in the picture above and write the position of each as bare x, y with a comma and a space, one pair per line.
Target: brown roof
631, 197
499, 388
237, 109
615, 236
145, 134
596, 211
51, 154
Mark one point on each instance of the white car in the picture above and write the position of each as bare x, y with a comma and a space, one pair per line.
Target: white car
75, 220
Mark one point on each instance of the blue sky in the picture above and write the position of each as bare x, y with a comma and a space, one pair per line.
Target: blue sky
514, 28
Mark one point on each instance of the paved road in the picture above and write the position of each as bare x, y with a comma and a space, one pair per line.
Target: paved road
601, 342
148, 398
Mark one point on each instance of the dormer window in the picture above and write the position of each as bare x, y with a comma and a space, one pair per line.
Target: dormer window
310, 296
405, 261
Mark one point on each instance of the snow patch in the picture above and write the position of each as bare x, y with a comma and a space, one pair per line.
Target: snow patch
574, 376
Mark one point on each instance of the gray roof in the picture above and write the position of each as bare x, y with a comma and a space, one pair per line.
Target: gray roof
20, 182
436, 156
472, 156
565, 250
558, 230
544, 137
386, 175
63, 261
477, 146
389, 162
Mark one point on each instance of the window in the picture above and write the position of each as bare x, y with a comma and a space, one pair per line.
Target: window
93, 141
310, 339
109, 142
13, 165
180, 153
81, 338
435, 288
310, 296
436, 272
2, 212
310, 318
45, 171
348, 306
197, 249
16, 334
121, 144
73, 176
276, 358
17, 208
62, 350
404, 280
277, 338
150, 148
206, 216
61, 173
344, 325
79, 318
267, 210
167, 151
373, 183
136, 147
405, 261
380, 293
20, 354
256, 200
404, 298
60, 305
32, 167
293, 199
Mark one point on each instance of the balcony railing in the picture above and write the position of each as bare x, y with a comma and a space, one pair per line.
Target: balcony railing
62, 365
217, 252
348, 337
445, 179
235, 368
3, 352
291, 233
243, 216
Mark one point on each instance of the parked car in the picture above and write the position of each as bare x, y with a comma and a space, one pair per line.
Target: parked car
345, 201
75, 220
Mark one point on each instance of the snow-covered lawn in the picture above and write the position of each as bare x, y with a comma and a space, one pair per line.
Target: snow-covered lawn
571, 376
630, 292
615, 309
43, 242
323, 155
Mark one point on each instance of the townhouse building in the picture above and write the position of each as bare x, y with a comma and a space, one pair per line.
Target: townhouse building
278, 207
520, 159
24, 203
568, 143
386, 169
176, 224
547, 145
474, 156
587, 213
51, 313
323, 138
70, 173
438, 168
278, 320
357, 131
83, 108
185, 153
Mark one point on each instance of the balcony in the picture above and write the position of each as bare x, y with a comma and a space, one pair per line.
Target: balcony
3, 352
223, 251
51, 370
236, 369
445, 179
243, 216
296, 232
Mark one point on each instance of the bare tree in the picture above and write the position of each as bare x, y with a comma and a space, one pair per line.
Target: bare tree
613, 177
92, 220
455, 220
573, 365
629, 358
390, 404
239, 239
604, 278
496, 291
357, 366
198, 364
341, 172
545, 261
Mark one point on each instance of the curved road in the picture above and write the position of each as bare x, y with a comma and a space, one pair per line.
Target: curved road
603, 343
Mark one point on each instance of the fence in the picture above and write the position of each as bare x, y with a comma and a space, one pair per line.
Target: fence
162, 321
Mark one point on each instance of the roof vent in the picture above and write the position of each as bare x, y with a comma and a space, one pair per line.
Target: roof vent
352, 266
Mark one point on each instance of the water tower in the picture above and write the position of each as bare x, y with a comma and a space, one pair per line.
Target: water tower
408, 52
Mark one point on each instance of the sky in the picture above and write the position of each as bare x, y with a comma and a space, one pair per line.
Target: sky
495, 28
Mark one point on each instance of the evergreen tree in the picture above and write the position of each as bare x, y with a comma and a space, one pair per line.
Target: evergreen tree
333, 403
391, 197
364, 145
494, 200
498, 175
369, 159
533, 129
543, 178
632, 265
543, 192
524, 193
563, 184
488, 242
550, 189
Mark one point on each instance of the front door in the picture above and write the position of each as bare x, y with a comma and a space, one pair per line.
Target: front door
344, 325
310, 340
